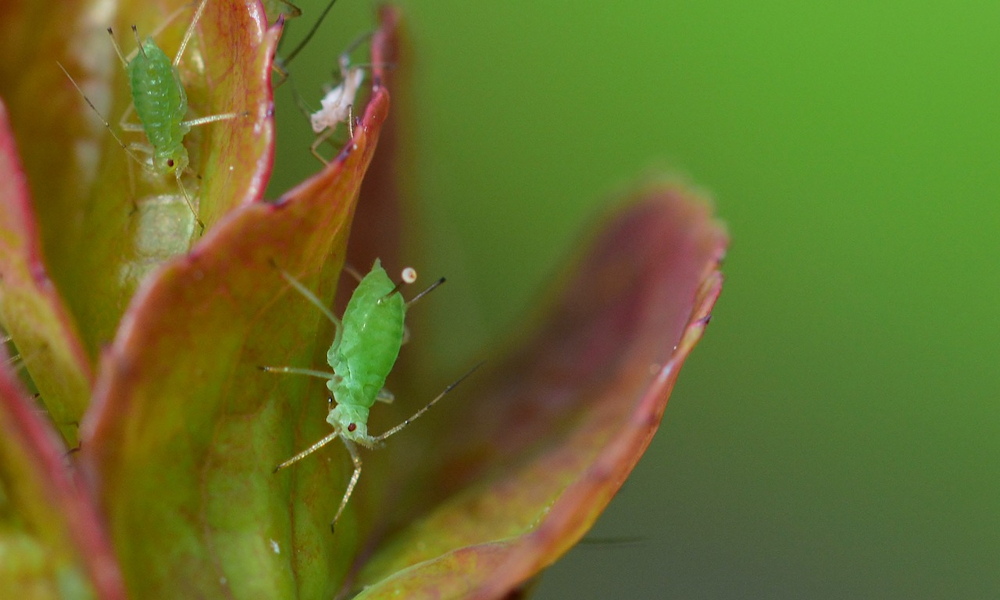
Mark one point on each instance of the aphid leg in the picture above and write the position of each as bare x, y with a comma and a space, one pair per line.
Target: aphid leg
280, 63
356, 459
14, 362
188, 33
350, 121
99, 115
300, 371
350, 270
385, 396
307, 451
319, 140
126, 125
419, 413
187, 198
215, 118
311, 297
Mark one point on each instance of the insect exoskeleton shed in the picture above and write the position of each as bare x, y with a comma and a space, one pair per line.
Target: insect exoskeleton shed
365, 346
337, 105
160, 103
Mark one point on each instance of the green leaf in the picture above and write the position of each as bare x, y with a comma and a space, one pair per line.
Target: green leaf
186, 430
31, 309
105, 223
51, 541
518, 467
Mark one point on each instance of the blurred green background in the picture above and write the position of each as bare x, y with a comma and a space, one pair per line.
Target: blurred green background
835, 435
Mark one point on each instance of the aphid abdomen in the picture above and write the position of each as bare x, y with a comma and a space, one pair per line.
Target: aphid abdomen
373, 334
159, 99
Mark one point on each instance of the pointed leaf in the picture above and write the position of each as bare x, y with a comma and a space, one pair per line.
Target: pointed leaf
31, 309
185, 429
51, 542
528, 460
105, 222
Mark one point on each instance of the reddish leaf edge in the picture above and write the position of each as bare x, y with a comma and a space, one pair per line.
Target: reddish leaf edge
17, 205
578, 507
73, 505
131, 330
494, 567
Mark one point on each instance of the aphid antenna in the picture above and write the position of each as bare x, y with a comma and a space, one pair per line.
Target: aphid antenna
138, 42
429, 289
98, 113
419, 413
118, 49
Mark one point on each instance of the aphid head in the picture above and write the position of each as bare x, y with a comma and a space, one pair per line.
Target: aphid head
352, 422
169, 163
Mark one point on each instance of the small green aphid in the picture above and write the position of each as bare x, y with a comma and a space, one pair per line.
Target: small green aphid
160, 102
364, 350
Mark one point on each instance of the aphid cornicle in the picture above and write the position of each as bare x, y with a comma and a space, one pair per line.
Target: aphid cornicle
364, 350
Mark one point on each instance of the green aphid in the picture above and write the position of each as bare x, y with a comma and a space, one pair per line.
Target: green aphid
364, 350
160, 102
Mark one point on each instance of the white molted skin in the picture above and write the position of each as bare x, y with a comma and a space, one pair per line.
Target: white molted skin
338, 101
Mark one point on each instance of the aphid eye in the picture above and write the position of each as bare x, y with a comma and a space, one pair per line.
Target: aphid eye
352, 427
170, 162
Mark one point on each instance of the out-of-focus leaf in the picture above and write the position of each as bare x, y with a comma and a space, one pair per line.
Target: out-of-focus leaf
105, 222
51, 541
185, 429
516, 471
31, 309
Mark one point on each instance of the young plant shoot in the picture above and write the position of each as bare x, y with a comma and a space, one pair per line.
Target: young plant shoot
160, 102
365, 346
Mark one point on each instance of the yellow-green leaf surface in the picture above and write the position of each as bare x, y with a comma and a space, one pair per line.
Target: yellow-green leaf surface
51, 542
31, 309
104, 222
186, 430
510, 476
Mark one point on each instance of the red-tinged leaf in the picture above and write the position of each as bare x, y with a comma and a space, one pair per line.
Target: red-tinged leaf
185, 429
30, 307
51, 542
521, 465
106, 222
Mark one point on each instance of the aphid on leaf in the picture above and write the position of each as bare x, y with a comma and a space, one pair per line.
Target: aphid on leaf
364, 350
337, 105
160, 102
